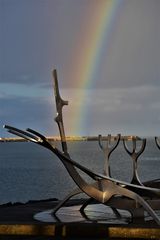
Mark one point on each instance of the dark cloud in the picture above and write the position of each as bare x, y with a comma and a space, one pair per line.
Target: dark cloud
37, 36
36, 113
128, 111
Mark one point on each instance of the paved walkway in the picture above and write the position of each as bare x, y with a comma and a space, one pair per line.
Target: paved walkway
34, 221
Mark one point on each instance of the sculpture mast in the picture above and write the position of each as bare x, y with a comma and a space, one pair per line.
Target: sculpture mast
59, 118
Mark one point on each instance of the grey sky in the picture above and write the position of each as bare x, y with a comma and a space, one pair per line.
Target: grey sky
37, 35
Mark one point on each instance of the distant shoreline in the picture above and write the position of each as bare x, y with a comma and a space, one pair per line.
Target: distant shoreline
70, 138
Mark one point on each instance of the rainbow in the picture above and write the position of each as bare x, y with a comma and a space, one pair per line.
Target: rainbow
96, 35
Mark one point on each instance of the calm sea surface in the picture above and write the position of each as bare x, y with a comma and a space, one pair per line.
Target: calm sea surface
30, 172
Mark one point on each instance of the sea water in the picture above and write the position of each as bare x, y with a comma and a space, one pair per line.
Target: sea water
30, 172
